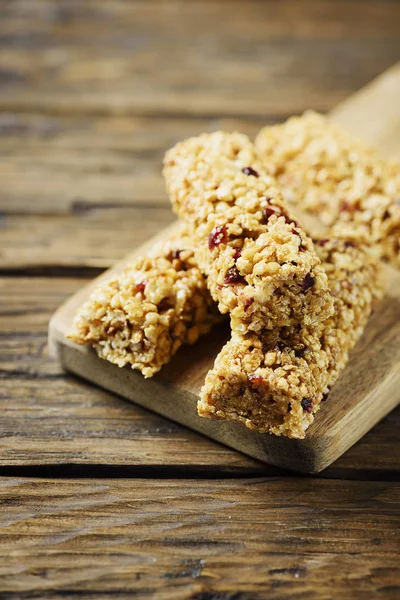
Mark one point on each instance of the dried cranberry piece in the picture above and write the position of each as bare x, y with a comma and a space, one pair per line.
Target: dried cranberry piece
308, 282
349, 244
233, 276
175, 254
268, 212
322, 242
256, 383
250, 171
306, 404
238, 253
300, 352
280, 346
325, 397
247, 303
217, 236
290, 221
140, 287
344, 206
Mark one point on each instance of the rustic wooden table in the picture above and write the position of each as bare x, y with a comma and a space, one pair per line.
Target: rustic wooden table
99, 498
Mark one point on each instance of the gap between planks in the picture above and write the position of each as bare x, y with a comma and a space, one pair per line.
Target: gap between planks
170, 472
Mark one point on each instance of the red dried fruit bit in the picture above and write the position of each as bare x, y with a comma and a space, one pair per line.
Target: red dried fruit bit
268, 212
238, 253
217, 236
308, 282
300, 352
290, 221
140, 287
233, 276
349, 244
344, 206
176, 254
280, 346
256, 382
306, 404
325, 397
250, 171
247, 303
322, 242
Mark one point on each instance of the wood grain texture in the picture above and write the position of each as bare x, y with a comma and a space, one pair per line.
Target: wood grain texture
193, 58
91, 94
52, 421
277, 538
64, 165
383, 131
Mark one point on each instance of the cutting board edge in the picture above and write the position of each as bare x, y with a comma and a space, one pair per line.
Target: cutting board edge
308, 456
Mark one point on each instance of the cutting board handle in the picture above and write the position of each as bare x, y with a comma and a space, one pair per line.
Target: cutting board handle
372, 114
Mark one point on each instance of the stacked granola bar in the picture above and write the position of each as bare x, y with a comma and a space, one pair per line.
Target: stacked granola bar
297, 305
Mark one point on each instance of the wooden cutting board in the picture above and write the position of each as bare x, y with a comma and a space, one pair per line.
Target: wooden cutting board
368, 388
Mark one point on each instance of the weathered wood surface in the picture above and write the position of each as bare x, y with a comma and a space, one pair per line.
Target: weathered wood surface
195, 58
91, 94
48, 418
206, 540
59, 165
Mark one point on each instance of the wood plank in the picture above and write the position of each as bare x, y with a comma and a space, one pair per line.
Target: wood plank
51, 419
59, 165
354, 114
100, 237
192, 58
291, 538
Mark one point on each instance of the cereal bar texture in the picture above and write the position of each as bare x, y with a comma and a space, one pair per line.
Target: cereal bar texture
141, 316
261, 266
275, 382
324, 171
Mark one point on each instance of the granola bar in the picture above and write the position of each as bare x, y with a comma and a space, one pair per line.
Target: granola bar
261, 266
324, 171
141, 316
275, 382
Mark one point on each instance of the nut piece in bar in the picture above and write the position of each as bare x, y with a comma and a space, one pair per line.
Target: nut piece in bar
325, 171
141, 316
274, 382
261, 266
